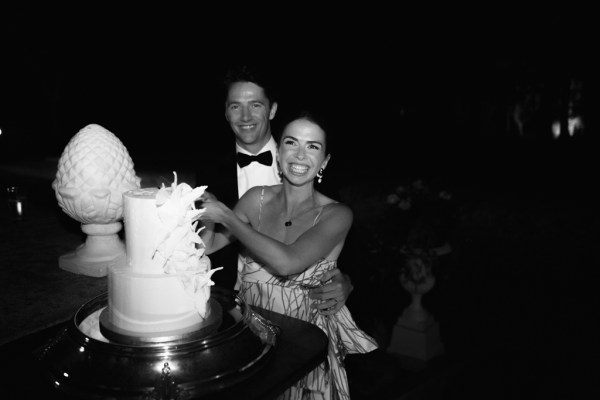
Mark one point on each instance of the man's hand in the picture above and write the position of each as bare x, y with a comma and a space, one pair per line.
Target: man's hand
335, 289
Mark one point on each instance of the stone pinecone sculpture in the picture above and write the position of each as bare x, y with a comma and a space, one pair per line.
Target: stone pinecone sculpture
94, 171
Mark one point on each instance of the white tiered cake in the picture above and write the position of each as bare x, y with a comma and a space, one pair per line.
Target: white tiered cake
165, 286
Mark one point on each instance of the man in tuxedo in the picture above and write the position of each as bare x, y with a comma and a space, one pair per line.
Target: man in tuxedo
250, 106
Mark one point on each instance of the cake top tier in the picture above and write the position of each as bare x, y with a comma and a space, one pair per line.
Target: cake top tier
145, 193
160, 229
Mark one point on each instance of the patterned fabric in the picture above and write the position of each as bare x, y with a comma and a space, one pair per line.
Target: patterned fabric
288, 295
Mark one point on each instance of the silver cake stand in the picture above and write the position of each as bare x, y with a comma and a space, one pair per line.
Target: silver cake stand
232, 346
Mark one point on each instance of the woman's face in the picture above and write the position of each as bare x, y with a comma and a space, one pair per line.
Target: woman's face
301, 151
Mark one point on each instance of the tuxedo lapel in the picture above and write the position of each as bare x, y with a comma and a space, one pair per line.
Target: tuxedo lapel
221, 178
220, 175
230, 184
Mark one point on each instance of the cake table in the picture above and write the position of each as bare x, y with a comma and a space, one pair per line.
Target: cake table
234, 362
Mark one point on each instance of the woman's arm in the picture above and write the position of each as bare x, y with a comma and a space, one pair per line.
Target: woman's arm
214, 236
283, 259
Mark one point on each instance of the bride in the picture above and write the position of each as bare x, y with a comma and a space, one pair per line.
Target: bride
291, 235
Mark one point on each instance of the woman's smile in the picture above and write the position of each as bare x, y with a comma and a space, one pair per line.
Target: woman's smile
298, 169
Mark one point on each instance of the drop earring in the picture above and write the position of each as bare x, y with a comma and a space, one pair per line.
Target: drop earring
320, 175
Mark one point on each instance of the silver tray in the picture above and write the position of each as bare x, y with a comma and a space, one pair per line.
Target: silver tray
174, 367
199, 331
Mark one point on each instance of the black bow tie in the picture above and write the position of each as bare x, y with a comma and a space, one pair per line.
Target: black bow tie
265, 158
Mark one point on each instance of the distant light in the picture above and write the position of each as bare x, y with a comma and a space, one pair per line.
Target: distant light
0, 131
555, 129
81, 349
575, 124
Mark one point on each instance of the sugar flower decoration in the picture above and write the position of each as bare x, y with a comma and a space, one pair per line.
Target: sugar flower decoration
181, 246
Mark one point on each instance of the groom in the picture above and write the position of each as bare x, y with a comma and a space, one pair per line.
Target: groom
249, 108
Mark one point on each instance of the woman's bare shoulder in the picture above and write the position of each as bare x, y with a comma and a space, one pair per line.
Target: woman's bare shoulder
273, 189
256, 195
328, 202
334, 209
258, 191
339, 209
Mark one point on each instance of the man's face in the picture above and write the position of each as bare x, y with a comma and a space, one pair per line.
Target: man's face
249, 114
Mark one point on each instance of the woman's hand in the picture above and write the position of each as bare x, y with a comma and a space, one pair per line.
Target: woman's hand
208, 196
214, 210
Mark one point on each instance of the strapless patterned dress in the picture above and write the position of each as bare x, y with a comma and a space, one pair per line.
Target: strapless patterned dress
288, 295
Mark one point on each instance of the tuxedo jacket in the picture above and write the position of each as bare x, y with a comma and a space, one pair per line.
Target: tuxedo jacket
219, 172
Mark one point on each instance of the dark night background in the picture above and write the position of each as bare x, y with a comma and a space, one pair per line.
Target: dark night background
409, 95
401, 92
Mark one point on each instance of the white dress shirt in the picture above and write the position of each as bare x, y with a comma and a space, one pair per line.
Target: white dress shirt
255, 174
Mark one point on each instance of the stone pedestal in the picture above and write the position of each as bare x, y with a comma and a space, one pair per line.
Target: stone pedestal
416, 342
103, 248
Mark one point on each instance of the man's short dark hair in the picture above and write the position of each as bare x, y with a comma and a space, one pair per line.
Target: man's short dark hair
249, 73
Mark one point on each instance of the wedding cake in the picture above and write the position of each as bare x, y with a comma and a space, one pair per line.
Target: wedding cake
165, 285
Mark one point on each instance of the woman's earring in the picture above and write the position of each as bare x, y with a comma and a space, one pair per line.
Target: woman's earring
320, 175
279, 173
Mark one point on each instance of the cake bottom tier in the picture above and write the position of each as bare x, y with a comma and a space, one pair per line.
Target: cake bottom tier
153, 303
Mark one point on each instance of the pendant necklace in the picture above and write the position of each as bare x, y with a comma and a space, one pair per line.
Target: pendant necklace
288, 223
